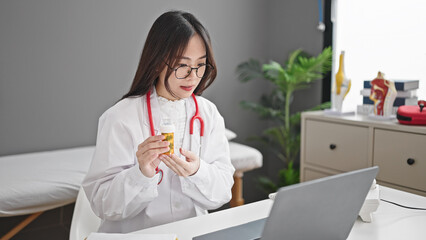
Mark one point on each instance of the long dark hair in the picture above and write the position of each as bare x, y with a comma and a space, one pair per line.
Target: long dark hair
165, 43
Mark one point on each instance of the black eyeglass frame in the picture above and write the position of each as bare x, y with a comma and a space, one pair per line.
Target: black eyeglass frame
207, 65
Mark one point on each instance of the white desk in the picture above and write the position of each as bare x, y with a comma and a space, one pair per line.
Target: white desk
389, 221
393, 222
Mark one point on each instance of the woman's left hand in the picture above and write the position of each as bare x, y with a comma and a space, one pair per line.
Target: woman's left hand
181, 167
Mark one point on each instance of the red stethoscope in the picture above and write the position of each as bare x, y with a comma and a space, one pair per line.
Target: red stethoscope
191, 124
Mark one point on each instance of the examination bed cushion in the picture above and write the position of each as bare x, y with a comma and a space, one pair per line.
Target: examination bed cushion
244, 158
41, 181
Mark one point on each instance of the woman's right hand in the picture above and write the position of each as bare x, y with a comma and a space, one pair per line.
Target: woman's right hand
148, 153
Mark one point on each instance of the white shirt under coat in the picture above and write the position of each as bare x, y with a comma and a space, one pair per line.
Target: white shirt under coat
125, 199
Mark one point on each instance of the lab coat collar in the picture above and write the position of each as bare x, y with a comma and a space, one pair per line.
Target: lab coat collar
156, 112
193, 144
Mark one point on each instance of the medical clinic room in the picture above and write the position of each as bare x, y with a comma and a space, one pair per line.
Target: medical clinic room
201, 120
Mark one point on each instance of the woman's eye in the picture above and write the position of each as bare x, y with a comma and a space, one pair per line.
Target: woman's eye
182, 65
201, 64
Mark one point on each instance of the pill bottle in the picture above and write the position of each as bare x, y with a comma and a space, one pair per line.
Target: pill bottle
167, 129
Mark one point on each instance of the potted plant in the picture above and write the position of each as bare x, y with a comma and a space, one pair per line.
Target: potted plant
299, 72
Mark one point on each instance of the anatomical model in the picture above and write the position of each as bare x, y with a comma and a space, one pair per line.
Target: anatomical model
383, 94
341, 87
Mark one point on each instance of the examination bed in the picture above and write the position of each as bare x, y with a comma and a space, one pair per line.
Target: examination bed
32, 183
36, 182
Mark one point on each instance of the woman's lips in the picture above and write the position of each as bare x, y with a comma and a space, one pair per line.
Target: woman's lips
186, 88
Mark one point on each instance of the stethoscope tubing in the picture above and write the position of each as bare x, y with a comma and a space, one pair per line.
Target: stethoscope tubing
196, 116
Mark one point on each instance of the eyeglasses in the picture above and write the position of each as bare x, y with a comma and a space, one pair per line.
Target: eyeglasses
183, 71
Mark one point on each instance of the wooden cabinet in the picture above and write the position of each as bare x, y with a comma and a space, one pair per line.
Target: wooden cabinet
335, 144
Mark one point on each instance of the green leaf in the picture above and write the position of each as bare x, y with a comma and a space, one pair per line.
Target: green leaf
273, 66
264, 112
295, 119
276, 133
267, 184
249, 70
274, 72
292, 58
322, 106
289, 175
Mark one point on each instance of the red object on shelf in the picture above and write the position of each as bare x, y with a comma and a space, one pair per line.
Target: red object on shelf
412, 115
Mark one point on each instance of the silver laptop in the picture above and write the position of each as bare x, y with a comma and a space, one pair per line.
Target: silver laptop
322, 209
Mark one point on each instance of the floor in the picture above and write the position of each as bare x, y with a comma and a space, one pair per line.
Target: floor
52, 224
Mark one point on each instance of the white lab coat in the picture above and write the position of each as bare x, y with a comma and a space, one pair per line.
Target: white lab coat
125, 199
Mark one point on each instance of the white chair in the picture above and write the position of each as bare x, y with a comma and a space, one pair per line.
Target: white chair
84, 221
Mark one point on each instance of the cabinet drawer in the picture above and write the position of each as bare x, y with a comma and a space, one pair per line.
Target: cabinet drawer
392, 150
313, 174
336, 146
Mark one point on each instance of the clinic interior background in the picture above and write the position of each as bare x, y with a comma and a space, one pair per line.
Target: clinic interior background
63, 63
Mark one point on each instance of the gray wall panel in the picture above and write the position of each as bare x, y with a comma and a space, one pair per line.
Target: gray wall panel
63, 63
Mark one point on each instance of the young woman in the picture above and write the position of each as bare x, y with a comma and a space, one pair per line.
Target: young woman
131, 183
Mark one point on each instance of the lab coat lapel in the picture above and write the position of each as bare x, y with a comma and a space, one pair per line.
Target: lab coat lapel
155, 110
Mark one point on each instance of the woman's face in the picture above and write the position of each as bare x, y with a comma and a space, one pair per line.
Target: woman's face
193, 56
